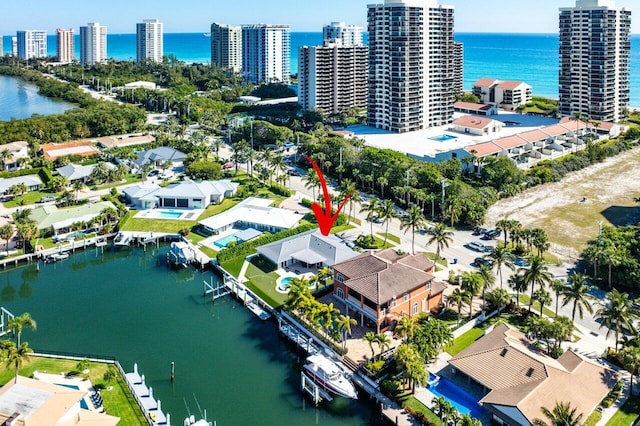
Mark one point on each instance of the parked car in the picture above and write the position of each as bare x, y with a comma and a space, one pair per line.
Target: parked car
521, 262
479, 231
476, 246
47, 199
482, 261
491, 234
228, 165
153, 173
293, 172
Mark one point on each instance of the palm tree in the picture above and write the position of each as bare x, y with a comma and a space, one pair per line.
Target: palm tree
472, 283
344, 324
411, 363
518, 284
467, 420
406, 327
616, 313
348, 187
386, 212
6, 232
537, 273
109, 375
370, 338
557, 286
16, 324
543, 297
383, 342
371, 209
501, 256
504, 225
324, 275
488, 279
577, 292
16, 356
630, 359
610, 257
311, 181
298, 293
561, 415
458, 297
414, 219
441, 236
77, 186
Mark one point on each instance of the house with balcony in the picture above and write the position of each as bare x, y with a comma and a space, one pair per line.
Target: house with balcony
380, 288
14, 155
508, 95
516, 378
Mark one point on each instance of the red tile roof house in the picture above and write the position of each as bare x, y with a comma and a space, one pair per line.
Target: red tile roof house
382, 287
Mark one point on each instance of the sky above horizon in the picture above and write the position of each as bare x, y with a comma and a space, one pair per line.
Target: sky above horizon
120, 16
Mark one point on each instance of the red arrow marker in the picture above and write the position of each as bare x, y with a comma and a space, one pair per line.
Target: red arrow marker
325, 218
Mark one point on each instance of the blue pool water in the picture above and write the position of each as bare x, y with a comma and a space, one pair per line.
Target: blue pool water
460, 399
168, 214
284, 284
83, 404
223, 242
442, 138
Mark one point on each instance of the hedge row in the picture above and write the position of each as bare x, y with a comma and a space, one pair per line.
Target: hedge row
280, 190
249, 247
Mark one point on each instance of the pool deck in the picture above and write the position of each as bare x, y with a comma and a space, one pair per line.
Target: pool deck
186, 214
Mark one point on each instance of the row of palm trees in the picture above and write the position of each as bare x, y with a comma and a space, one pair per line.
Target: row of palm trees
15, 354
449, 415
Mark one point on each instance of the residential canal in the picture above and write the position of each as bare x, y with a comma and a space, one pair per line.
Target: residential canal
19, 99
129, 304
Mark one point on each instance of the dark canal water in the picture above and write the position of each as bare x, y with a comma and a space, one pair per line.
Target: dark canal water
129, 304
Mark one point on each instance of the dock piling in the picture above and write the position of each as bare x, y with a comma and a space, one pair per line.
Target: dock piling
173, 371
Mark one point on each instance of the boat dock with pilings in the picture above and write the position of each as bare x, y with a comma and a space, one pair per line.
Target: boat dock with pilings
303, 339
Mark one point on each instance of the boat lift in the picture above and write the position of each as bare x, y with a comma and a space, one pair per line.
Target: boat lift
314, 390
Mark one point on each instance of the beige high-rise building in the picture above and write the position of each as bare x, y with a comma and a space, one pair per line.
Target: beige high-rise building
594, 60
226, 47
65, 45
149, 40
411, 65
93, 44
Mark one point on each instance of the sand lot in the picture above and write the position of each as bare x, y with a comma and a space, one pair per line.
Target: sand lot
570, 210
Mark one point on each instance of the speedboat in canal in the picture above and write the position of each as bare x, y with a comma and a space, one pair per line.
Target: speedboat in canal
52, 258
329, 375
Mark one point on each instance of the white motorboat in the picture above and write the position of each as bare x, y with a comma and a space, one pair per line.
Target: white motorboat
52, 258
329, 375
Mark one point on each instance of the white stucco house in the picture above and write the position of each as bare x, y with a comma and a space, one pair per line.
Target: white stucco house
255, 213
33, 183
311, 249
187, 194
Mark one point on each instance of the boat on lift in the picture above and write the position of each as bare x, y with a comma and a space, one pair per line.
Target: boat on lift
329, 376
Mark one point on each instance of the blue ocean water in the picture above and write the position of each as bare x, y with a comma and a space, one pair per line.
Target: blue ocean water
532, 58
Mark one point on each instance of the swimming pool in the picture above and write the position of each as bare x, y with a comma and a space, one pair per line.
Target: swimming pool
168, 214
224, 242
442, 138
464, 402
83, 403
284, 284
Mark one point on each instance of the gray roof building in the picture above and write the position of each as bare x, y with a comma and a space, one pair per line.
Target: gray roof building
160, 155
32, 182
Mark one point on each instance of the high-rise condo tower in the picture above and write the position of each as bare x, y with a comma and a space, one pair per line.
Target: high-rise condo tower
149, 40
265, 53
93, 44
226, 47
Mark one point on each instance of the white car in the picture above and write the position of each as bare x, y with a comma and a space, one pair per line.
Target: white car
477, 246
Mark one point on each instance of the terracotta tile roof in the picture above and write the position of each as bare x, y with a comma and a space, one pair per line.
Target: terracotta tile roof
511, 85
382, 276
534, 135
471, 106
483, 149
473, 121
510, 141
486, 82
51, 151
521, 376
556, 130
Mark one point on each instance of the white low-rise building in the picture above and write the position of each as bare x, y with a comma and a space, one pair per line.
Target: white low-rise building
187, 194
32, 182
255, 213
479, 126
14, 155
508, 95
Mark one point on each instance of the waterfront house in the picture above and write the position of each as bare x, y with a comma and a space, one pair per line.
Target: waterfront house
160, 155
255, 213
51, 151
508, 95
74, 172
518, 378
26, 401
15, 154
32, 182
141, 196
195, 195
382, 287
51, 220
311, 249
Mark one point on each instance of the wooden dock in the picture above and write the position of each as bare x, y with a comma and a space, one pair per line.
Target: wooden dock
231, 286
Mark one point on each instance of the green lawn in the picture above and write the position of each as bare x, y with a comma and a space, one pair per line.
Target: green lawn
380, 243
208, 251
410, 402
593, 419
262, 280
117, 402
464, 341
341, 228
524, 299
627, 414
234, 265
390, 237
28, 198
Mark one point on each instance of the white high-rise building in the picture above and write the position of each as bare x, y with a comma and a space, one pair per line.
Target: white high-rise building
149, 40
226, 47
65, 45
14, 46
265, 53
31, 44
93, 44
411, 65
348, 35
594, 60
